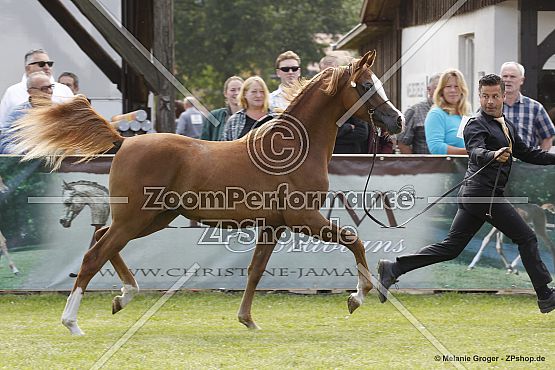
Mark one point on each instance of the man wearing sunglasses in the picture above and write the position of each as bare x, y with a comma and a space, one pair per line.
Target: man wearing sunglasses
36, 60
38, 86
288, 69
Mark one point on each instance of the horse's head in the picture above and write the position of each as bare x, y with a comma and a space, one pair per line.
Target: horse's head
73, 204
367, 90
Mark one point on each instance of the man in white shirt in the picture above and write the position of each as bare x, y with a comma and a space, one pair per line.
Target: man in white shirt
288, 69
35, 61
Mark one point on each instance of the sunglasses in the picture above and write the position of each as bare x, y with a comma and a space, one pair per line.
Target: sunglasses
287, 69
44, 89
43, 63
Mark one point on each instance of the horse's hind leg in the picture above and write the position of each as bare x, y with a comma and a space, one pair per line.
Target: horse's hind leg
4, 250
106, 248
265, 245
129, 288
499, 249
129, 284
483, 246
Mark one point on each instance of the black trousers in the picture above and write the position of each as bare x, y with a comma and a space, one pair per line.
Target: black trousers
470, 217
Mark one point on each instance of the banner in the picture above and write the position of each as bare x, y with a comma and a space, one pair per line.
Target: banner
48, 223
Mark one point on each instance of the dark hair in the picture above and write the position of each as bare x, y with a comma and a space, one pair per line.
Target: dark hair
70, 75
491, 80
179, 108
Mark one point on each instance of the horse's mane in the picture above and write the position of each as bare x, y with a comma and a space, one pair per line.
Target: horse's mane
329, 79
89, 183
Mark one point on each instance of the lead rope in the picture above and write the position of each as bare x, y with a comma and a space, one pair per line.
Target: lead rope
402, 225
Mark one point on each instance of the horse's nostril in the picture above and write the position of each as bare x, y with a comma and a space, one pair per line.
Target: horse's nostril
400, 121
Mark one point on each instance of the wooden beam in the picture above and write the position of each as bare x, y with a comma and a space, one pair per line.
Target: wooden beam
119, 39
546, 5
163, 50
84, 40
137, 18
546, 49
529, 46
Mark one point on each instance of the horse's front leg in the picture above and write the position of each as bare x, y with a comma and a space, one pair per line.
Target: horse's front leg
327, 231
265, 245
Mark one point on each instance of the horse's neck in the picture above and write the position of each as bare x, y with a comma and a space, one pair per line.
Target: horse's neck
319, 115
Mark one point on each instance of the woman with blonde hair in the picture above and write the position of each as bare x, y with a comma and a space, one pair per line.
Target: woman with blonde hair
254, 99
443, 120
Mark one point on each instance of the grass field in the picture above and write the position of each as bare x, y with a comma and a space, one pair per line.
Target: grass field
200, 331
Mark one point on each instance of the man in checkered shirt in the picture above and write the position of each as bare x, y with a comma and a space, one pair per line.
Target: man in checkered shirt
529, 116
413, 139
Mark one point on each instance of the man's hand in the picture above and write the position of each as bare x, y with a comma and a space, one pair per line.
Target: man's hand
503, 154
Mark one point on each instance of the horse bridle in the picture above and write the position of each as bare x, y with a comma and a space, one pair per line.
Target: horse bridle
362, 90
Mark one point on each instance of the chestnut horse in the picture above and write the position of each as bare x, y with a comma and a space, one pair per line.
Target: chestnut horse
293, 150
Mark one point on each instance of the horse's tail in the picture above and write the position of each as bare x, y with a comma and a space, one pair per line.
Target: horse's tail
56, 131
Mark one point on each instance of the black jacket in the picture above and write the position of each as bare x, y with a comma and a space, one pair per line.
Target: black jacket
482, 137
351, 137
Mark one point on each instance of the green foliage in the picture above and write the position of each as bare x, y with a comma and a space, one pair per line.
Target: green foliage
200, 331
219, 39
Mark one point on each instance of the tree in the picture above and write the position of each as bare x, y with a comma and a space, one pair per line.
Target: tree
216, 39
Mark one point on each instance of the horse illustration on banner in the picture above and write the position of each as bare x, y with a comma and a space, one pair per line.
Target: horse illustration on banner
79, 194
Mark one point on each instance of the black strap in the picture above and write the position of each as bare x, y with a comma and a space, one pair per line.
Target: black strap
402, 225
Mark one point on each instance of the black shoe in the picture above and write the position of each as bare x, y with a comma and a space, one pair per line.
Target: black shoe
386, 277
547, 305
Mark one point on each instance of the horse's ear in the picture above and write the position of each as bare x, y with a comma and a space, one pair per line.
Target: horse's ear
369, 58
66, 185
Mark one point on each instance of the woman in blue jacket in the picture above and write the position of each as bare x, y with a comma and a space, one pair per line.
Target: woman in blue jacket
443, 120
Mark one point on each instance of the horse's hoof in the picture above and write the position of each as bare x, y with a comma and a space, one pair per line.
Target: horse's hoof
73, 327
353, 303
251, 325
116, 305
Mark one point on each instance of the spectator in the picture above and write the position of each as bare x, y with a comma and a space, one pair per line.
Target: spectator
443, 120
328, 61
413, 139
352, 135
529, 116
39, 87
70, 80
190, 122
179, 108
35, 60
232, 87
288, 69
254, 100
